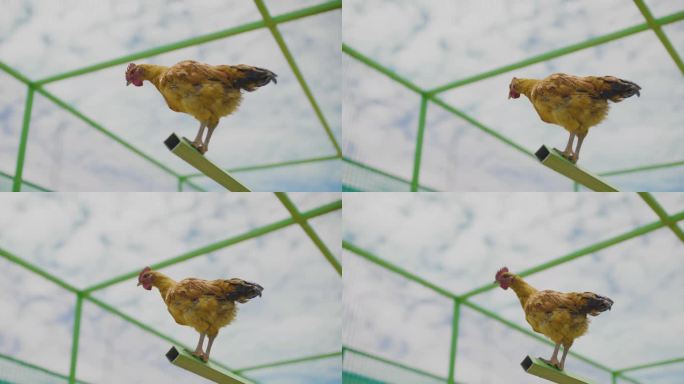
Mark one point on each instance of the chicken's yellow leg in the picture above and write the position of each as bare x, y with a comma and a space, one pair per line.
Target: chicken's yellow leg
580, 139
210, 130
198, 351
211, 341
554, 358
566, 347
197, 143
567, 153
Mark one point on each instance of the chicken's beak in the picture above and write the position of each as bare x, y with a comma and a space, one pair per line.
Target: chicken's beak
128, 82
139, 282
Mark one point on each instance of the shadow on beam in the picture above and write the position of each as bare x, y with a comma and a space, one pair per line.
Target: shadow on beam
207, 370
539, 368
183, 149
554, 160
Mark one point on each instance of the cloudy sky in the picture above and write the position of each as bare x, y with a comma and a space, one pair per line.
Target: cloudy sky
458, 242
85, 239
433, 43
276, 123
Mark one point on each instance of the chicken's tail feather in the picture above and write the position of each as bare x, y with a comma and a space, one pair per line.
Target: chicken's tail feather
254, 77
617, 90
241, 291
595, 304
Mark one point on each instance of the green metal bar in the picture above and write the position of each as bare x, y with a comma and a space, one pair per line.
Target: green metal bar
655, 26
555, 161
273, 27
284, 164
106, 132
383, 173
185, 150
248, 27
454, 341
16, 74
76, 334
304, 224
380, 68
557, 53
21, 154
582, 252
396, 269
184, 359
642, 168
481, 126
25, 182
290, 361
393, 363
37, 368
327, 208
419, 144
651, 365
17, 260
539, 368
613, 378
273, 165
658, 209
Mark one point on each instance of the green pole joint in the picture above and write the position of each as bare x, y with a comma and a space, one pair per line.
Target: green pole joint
655, 26
660, 212
304, 224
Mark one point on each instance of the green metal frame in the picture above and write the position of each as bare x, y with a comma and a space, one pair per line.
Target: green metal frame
665, 220
431, 95
267, 21
296, 217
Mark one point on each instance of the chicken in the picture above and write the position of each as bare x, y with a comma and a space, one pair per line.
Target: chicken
575, 103
203, 91
204, 305
562, 317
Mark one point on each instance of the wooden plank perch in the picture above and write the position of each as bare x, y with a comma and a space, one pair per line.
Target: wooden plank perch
184, 150
554, 160
538, 368
182, 358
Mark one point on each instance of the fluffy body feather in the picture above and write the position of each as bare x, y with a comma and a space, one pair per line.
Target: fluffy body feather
203, 91
562, 317
205, 305
575, 103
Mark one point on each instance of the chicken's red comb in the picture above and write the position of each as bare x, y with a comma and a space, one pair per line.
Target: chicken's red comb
147, 269
501, 272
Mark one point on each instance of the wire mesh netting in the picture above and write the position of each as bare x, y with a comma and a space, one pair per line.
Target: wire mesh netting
419, 305
72, 311
425, 95
69, 123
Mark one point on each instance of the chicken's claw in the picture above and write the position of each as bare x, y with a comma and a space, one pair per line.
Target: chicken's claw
201, 355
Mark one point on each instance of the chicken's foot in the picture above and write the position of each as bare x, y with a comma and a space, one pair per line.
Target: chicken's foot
197, 143
198, 351
566, 348
554, 358
211, 341
580, 139
210, 130
567, 153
